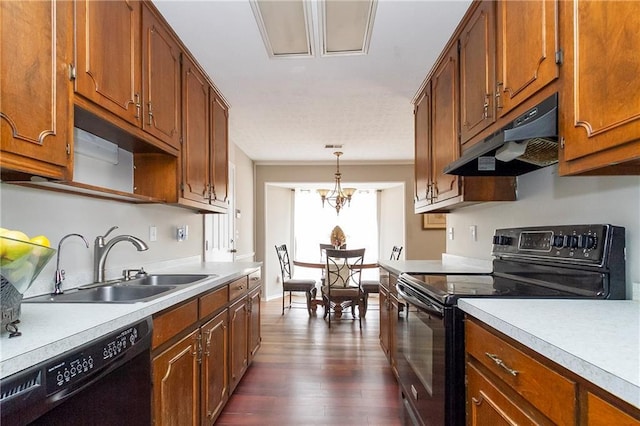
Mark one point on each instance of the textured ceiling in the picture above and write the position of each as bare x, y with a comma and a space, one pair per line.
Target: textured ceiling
286, 110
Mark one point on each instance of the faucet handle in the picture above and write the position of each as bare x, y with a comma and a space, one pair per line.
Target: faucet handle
128, 274
110, 231
100, 238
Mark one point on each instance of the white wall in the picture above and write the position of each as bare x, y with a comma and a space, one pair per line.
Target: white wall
54, 214
391, 222
544, 198
278, 220
245, 193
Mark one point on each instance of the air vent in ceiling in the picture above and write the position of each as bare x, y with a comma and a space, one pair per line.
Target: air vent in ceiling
333, 146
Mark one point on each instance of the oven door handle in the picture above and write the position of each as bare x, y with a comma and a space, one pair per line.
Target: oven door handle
424, 305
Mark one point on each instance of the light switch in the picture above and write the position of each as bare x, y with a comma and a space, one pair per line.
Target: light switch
473, 230
153, 233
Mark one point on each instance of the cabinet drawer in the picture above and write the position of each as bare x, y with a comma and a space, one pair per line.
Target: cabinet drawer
602, 413
551, 393
488, 405
238, 288
211, 302
255, 279
169, 324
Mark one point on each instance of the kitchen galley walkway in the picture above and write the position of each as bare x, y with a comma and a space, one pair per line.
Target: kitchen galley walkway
306, 374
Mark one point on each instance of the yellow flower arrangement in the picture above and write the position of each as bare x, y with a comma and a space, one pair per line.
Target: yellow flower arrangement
337, 237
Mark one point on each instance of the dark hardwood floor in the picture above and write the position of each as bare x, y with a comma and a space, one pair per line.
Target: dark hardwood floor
306, 374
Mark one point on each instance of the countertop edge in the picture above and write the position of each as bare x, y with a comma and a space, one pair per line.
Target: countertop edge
111, 317
595, 374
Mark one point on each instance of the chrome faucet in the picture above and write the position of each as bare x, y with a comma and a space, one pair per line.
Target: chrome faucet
102, 248
59, 275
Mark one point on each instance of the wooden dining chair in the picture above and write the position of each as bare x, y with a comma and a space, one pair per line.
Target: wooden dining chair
290, 284
373, 286
342, 287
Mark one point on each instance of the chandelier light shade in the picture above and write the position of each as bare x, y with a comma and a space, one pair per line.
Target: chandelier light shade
338, 197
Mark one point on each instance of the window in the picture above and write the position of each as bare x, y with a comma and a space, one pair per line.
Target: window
313, 225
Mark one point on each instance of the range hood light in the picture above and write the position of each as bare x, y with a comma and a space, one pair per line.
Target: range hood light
511, 150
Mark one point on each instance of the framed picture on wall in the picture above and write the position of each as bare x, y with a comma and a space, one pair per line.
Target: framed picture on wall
434, 221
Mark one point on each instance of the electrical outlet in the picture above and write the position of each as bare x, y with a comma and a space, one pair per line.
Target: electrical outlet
153, 233
181, 233
450, 233
473, 230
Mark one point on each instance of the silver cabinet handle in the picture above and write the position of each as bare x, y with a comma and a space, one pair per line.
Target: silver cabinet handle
500, 363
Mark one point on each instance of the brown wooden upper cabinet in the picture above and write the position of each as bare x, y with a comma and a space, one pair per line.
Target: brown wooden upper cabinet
204, 149
195, 150
219, 149
128, 63
422, 155
36, 112
600, 111
108, 55
161, 90
438, 130
528, 51
445, 125
478, 72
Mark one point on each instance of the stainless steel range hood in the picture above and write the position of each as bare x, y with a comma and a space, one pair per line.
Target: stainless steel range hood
528, 143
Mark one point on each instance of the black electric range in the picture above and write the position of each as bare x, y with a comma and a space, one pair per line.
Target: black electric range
569, 261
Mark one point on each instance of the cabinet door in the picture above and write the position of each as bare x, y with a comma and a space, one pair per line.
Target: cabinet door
422, 160
488, 405
445, 121
160, 80
108, 56
176, 384
35, 112
238, 324
393, 326
215, 367
600, 120
384, 321
255, 337
527, 43
195, 149
477, 72
219, 150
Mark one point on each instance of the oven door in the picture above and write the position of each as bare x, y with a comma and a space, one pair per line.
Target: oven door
421, 358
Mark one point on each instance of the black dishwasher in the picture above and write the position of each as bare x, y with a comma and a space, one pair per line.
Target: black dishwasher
104, 382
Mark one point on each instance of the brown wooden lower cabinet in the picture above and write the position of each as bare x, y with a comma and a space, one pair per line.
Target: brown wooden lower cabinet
215, 366
255, 337
239, 328
176, 383
389, 310
508, 383
200, 351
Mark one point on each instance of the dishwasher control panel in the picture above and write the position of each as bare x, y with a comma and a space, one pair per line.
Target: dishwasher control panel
73, 367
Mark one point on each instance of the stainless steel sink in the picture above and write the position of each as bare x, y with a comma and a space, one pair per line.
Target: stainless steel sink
141, 289
105, 294
155, 280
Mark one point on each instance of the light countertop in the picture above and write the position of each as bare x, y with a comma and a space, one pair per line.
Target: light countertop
596, 339
49, 329
450, 264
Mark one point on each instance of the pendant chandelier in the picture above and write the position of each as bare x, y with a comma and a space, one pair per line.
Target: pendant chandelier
338, 197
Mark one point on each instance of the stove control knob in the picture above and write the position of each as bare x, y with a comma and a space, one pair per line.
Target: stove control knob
501, 240
570, 241
557, 241
586, 241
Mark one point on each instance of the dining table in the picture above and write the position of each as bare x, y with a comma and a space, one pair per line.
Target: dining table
322, 265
